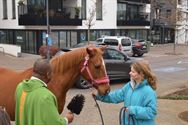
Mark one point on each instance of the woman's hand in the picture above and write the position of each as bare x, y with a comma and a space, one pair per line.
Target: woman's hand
94, 93
126, 110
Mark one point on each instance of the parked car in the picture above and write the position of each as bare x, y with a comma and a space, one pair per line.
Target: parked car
117, 66
119, 42
139, 47
82, 44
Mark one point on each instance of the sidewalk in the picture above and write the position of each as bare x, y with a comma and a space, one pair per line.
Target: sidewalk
168, 110
17, 63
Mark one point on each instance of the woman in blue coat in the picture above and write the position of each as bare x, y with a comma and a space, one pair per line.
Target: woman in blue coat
138, 95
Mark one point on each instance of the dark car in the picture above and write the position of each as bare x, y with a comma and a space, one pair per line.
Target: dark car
82, 44
139, 47
117, 66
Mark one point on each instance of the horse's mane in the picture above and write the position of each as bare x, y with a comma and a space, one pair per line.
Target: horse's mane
61, 63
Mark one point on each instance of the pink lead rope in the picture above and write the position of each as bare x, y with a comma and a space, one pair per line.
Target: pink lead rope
97, 81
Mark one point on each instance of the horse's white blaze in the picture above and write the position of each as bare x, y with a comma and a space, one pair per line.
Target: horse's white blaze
104, 66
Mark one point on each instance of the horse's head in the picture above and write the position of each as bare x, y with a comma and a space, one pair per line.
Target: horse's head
93, 69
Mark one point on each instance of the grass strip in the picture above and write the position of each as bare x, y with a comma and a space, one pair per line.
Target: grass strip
174, 97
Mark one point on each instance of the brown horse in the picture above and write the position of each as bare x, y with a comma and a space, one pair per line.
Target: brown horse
66, 68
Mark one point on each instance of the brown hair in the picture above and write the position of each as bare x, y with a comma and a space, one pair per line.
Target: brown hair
142, 67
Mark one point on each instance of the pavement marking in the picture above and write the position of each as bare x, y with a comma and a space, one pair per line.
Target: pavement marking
156, 55
169, 69
181, 62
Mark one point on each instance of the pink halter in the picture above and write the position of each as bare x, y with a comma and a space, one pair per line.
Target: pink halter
93, 81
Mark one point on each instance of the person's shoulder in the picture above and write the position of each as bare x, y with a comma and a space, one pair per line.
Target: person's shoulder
20, 85
148, 90
45, 93
147, 87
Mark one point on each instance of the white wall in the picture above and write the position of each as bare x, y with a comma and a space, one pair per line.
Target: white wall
13, 50
181, 36
8, 23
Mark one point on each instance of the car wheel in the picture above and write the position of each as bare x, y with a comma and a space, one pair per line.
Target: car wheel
133, 55
82, 84
140, 54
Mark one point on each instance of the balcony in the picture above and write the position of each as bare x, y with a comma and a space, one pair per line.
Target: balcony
138, 1
133, 23
136, 19
37, 16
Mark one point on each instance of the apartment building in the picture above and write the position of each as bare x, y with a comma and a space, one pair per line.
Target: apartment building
169, 21
25, 22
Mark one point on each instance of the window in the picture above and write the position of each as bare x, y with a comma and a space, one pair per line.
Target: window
121, 12
125, 42
20, 39
168, 14
179, 16
54, 37
99, 9
30, 42
62, 40
113, 54
83, 10
13, 9
179, 2
5, 15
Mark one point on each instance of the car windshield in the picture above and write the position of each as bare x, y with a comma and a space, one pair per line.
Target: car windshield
99, 40
82, 44
111, 42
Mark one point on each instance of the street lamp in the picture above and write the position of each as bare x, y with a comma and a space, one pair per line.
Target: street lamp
48, 29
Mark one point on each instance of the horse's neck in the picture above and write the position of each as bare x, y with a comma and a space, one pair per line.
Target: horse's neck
66, 68
27, 73
61, 83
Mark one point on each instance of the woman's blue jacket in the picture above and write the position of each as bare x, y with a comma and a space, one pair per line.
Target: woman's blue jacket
140, 101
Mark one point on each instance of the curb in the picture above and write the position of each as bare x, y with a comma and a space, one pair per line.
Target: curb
174, 90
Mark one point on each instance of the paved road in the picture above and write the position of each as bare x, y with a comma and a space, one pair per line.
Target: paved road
171, 70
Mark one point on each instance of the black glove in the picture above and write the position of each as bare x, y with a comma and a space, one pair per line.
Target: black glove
76, 104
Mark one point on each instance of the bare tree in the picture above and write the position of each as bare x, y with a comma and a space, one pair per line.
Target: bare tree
90, 19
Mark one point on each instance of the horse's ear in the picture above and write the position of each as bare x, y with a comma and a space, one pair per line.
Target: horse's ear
103, 47
90, 51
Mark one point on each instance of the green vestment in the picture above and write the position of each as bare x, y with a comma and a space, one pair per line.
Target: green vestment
36, 105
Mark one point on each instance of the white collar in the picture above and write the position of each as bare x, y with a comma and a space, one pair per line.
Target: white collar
133, 84
35, 78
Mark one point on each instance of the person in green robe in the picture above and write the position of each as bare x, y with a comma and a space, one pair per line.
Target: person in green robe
35, 104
